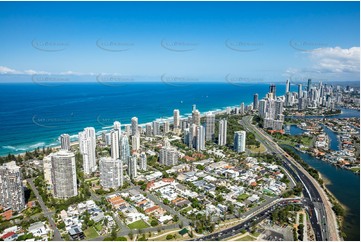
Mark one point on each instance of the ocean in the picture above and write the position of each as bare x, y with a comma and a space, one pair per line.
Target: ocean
34, 115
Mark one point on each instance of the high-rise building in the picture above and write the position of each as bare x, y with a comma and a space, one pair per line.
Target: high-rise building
132, 166
196, 117
299, 90
309, 85
168, 156
156, 128
114, 142
11, 187
117, 126
278, 108
288, 86
65, 142
148, 130
128, 130
210, 126
200, 139
192, 136
262, 108
222, 132
47, 169
143, 161
136, 142
176, 119
87, 143
289, 98
241, 108
255, 101
63, 174
124, 148
111, 173
272, 91
166, 127
240, 141
134, 125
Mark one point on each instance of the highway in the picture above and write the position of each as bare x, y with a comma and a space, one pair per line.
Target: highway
247, 224
314, 201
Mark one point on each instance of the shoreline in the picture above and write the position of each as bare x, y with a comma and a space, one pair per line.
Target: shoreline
108, 128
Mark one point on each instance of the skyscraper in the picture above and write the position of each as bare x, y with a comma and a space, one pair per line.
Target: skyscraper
200, 139
148, 130
134, 125
143, 161
288, 86
240, 141
210, 126
132, 166
65, 142
309, 85
241, 108
114, 139
11, 187
87, 143
278, 108
124, 148
117, 126
222, 132
166, 127
176, 119
63, 174
272, 91
255, 101
156, 128
136, 142
196, 117
262, 108
299, 90
111, 173
168, 156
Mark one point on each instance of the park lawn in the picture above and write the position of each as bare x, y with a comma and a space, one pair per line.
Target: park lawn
246, 238
98, 226
140, 224
90, 233
254, 149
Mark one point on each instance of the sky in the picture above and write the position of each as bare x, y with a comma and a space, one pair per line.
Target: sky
180, 41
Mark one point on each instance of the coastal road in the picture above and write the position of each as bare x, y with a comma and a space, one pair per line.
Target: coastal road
48, 214
322, 218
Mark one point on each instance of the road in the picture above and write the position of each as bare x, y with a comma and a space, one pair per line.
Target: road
247, 224
48, 214
322, 217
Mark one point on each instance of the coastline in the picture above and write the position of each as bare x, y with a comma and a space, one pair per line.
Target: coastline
98, 132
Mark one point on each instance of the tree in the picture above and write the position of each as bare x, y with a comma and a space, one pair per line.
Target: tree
113, 234
169, 237
154, 223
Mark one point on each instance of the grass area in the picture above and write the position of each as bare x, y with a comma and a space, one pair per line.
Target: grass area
98, 227
355, 169
246, 238
254, 149
138, 225
242, 197
90, 233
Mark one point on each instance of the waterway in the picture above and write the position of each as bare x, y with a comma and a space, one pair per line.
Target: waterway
343, 184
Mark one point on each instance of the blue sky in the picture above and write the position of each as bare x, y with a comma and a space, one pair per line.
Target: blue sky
183, 40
